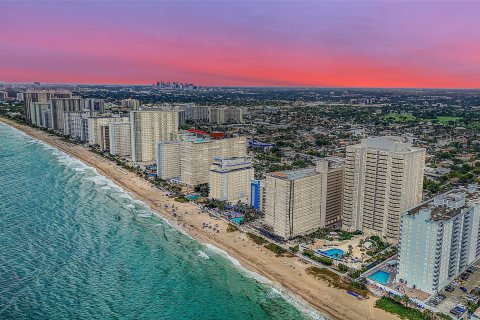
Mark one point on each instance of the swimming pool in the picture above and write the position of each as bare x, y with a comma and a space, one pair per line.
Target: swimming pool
192, 196
332, 253
236, 220
380, 276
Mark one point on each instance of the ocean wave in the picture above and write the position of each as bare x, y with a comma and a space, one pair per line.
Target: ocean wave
144, 215
296, 301
237, 264
78, 166
203, 255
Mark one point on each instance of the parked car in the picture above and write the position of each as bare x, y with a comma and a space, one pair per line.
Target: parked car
464, 289
449, 288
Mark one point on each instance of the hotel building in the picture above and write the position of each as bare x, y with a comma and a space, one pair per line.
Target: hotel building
301, 201
229, 179
147, 128
439, 239
383, 177
190, 159
197, 156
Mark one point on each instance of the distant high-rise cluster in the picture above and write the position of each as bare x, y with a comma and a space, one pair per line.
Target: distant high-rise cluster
167, 85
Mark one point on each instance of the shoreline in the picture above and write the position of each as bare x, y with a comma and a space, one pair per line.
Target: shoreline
286, 274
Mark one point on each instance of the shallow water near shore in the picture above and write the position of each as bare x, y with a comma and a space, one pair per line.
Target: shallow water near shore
73, 245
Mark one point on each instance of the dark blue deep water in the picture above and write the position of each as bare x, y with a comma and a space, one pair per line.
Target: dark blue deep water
75, 246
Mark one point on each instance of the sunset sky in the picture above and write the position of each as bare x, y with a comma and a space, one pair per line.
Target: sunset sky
243, 43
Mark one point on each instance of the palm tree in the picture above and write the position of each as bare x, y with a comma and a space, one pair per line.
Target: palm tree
429, 314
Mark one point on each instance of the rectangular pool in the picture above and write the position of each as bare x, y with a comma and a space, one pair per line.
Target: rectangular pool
380, 277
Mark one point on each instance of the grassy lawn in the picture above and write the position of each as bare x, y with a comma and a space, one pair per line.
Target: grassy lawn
279, 251
401, 117
336, 281
257, 239
446, 119
403, 312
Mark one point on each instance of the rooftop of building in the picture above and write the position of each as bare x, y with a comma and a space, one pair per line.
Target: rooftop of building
387, 143
449, 204
294, 174
335, 162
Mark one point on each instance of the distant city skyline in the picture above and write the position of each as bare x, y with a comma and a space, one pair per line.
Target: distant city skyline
413, 44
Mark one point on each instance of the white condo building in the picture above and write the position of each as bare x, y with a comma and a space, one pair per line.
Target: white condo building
196, 113
439, 239
298, 202
119, 138
229, 179
62, 105
98, 130
223, 115
130, 103
41, 96
383, 177
147, 128
93, 104
75, 124
41, 114
168, 159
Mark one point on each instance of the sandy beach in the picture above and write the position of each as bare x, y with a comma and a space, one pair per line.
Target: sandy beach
285, 272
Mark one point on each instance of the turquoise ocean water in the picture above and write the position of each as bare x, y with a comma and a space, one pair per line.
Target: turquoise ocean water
75, 246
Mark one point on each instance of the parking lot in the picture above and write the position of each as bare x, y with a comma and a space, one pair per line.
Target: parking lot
462, 290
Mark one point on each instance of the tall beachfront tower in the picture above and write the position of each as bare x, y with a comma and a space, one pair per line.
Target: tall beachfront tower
383, 177
119, 142
439, 239
147, 127
298, 202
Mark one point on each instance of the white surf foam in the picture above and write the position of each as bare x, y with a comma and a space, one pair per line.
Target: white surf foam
237, 264
144, 215
100, 179
296, 301
203, 255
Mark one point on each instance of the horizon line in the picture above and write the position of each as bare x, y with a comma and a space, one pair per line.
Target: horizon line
240, 86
